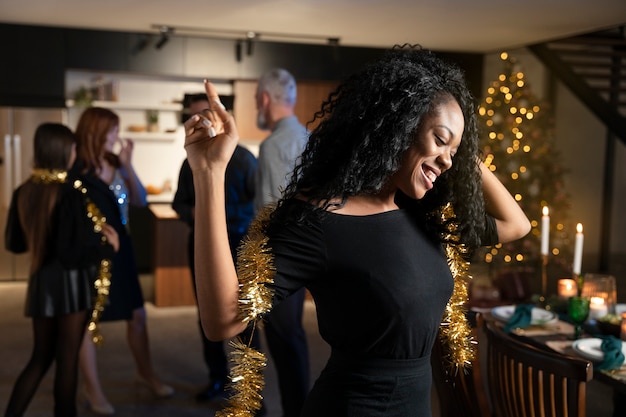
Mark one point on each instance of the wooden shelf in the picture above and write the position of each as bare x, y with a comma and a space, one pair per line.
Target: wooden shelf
120, 105
150, 136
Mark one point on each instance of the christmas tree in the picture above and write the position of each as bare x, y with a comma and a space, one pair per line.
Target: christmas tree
517, 137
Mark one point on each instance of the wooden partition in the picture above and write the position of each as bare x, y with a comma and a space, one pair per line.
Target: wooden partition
172, 277
311, 94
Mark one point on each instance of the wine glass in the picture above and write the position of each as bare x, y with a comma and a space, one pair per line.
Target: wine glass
578, 311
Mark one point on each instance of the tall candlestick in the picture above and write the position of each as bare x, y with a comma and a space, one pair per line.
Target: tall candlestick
578, 249
545, 230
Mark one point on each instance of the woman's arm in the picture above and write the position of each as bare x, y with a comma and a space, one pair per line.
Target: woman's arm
511, 222
138, 194
208, 154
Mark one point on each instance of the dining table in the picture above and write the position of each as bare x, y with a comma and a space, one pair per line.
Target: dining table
552, 332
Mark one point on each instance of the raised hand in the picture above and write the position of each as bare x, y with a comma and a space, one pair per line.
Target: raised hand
210, 137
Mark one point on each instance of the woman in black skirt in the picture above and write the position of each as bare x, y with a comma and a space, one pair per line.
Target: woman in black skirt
48, 217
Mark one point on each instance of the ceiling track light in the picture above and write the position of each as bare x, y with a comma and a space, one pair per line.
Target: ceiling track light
166, 32
248, 36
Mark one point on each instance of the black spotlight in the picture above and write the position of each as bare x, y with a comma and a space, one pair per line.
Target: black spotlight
166, 31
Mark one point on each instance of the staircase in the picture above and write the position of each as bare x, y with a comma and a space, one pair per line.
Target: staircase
593, 67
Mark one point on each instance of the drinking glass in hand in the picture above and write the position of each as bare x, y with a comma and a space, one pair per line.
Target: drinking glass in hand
578, 311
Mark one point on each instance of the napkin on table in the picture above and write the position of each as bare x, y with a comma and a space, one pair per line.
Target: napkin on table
521, 317
613, 355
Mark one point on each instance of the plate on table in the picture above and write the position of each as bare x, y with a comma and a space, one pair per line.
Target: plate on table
539, 316
591, 348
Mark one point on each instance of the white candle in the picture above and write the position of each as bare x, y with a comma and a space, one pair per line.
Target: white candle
545, 230
597, 308
567, 288
578, 249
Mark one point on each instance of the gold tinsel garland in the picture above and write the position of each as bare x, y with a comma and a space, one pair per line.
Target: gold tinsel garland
103, 281
49, 176
255, 269
455, 331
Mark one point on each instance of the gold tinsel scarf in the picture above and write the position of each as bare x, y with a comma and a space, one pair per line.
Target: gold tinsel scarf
103, 281
455, 332
255, 269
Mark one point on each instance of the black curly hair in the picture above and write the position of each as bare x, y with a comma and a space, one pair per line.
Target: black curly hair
368, 123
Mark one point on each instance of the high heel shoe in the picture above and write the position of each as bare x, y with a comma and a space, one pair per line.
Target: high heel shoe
104, 409
162, 391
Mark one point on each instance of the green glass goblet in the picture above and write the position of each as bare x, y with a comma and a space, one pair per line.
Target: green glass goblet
578, 311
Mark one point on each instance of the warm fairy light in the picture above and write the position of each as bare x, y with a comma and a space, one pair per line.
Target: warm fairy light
527, 148
518, 197
504, 56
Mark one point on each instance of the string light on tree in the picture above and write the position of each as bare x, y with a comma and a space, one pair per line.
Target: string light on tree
517, 136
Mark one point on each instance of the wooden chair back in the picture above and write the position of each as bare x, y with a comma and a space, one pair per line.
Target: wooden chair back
525, 381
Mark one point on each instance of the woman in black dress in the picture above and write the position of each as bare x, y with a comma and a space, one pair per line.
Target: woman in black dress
113, 185
358, 226
48, 217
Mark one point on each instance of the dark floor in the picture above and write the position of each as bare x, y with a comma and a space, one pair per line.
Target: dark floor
176, 352
177, 357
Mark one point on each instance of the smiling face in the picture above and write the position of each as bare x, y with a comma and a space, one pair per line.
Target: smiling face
437, 141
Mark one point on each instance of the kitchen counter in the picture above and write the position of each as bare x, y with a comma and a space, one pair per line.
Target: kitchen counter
172, 277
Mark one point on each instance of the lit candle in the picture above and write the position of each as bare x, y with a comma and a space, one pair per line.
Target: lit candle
545, 230
597, 308
578, 249
567, 288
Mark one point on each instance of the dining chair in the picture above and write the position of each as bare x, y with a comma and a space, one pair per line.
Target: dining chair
461, 392
524, 380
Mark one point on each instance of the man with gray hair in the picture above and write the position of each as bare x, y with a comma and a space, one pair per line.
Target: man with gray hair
286, 338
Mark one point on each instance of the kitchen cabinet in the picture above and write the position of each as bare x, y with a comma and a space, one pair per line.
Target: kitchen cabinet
173, 284
33, 67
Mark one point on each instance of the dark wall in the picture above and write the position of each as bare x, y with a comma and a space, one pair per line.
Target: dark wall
36, 57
